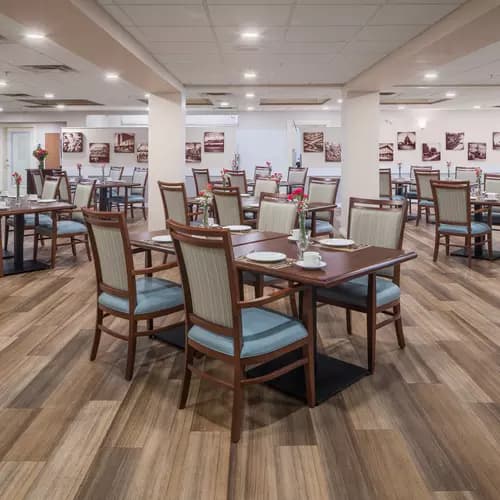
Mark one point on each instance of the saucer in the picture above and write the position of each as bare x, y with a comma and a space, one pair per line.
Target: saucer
301, 264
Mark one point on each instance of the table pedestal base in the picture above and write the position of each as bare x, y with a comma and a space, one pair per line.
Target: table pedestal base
27, 267
482, 256
174, 336
332, 376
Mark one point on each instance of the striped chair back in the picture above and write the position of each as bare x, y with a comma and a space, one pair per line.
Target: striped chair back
227, 206
83, 199
201, 179
385, 182
323, 190
262, 172
116, 173
465, 174
38, 181
452, 202
423, 179
277, 216
492, 183
173, 196
297, 176
139, 176
50, 187
237, 178
265, 185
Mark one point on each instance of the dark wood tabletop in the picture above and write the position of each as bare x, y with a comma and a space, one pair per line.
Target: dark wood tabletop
107, 183
33, 207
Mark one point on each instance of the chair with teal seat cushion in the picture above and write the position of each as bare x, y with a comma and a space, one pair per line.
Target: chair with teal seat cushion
136, 195
322, 190
221, 326
124, 291
454, 219
321, 226
72, 229
378, 223
425, 201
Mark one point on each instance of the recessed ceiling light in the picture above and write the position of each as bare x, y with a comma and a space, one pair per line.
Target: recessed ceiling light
401, 107
35, 36
250, 35
112, 76
250, 108
477, 106
1, 109
249, 95
249, 75
431, 75
422, 87
340, 101
3, 83
451, 94
147, 108
224, 104
48, 95
60, 106
325, 108
147, 96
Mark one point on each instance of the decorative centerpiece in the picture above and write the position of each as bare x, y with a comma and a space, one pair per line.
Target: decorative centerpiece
205, 202
448, 166
478, 173
225, 180
236, 161
277, 177
301, 199
18, 179
40, 154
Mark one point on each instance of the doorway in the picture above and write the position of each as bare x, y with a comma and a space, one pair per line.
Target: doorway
19, 153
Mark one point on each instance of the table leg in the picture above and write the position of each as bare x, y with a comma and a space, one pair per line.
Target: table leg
103, 199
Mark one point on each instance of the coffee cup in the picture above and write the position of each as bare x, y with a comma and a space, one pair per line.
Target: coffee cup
295, 234
312, 258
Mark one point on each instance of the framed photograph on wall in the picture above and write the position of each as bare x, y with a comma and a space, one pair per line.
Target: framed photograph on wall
142, 153
407, 141
313, 142
124, 143
386, 151
72, 142
333, 152
99, 152
476, 151
213, 142
431, 151
455, 141
193, 152
496, 140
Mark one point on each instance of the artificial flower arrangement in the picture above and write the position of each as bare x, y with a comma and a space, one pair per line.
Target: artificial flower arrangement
478, 172
301, 199
276, 176
205, 200
18, 179
225, 180
40, 154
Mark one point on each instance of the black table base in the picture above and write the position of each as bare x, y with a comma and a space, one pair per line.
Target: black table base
477, 255
27, 266
332, 376
173, 336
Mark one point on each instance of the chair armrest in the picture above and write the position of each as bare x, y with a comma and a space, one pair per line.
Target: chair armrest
285, 292
154, 269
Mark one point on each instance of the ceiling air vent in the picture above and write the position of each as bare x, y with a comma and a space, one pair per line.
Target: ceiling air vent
217, 94
387, 93
45, 68
198, 101
18, 95
299, 101
66, 102
411, 101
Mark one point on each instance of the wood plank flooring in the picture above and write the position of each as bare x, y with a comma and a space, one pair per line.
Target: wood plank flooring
426, 425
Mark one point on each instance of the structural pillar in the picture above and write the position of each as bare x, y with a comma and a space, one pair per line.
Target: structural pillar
167, 138
360, 137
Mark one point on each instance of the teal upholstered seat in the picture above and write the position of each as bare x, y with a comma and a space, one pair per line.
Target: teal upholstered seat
263, 331
426, 203
355, 292
396, 197
132, 198
322, 226
153, 294
411, 194
476, 228
29, 219
64, 228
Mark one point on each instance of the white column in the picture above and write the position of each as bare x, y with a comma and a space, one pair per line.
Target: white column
167, 137
360, 136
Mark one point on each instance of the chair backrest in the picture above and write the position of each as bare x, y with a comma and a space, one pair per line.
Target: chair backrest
37, 181
262, 172
113, 263
209, 279
276, 215
380, 223
175, 206
64, 192
492, 183
417, 167
83, 198
50, 187
423, 179
323, 190
238, 178
385, 182
116, 173
201, 179
227, 206
465, 174
452, 202
139, 176
297, 176
265, 185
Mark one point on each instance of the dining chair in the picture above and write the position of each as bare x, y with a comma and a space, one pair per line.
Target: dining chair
276, 214
121, 291
236, 332
116, 173
465, 174
265, 185
492, 185
238, 178
50, 190
261, 172
37, 181
380, 223
425, 200
64, 192
385, 185
322, 190
453, 218
72, 228
227, 206
411, 192
175, 204
201, 179
296, 178
137, 194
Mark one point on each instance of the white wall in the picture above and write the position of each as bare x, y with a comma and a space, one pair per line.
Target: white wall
477, 125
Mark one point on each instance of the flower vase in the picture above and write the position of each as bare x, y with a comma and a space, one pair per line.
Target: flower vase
478, 187
303, 241
205, 215
18, 194
41, 165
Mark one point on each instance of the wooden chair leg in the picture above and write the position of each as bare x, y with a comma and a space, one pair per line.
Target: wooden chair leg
399, 326
490, 245
427, 214
132, 342
144, 211
418, 215
6, 242
468, 246
371, 322
73, 246
35, 245
308, 352
436, 247
348, 320
97, 334
447, 240
237, 405
87, 247
53, 251
150, 323
188, 359
259, 286
132, 210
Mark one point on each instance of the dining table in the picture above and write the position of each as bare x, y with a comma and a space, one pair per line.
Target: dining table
17, 209
332, 374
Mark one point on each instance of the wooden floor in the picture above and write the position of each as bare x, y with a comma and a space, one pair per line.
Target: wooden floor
425, 426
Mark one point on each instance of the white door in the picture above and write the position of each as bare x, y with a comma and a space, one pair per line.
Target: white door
20, 149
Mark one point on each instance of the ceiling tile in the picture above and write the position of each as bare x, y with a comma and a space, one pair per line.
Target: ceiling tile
415, 13
332, 15
182, 48
166, 15
321, 34
383, 33
177, 34
232, 34
249, 15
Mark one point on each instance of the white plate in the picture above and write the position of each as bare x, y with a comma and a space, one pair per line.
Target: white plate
291, 238
251, 205
301, 264
162, 238
46, 200
336, 242
244, 195
266, 256
238, 229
